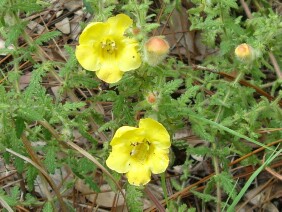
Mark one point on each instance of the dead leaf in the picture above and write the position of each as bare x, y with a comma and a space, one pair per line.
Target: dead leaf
64, 26
34, 26
106, 198
2, 46
25, 80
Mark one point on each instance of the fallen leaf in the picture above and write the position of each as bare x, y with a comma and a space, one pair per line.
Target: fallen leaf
64, 26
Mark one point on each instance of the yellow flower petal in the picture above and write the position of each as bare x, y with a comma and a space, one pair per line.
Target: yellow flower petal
104, 48
124, 135
119, 24
109, 72
87, 57
158, 160
129, 58
119, 159
156, 133
122, 130
139, 174
94, 32
127, 135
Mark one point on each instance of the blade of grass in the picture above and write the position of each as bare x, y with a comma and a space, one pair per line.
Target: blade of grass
230, 131
251, 179
96, 162
5, 205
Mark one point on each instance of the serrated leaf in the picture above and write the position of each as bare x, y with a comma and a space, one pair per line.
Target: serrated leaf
31, 175
82, 81
110, 125
171, 86
227, 183
204, 197
133, 198
15, 192
8, 199
19, 126
86, 135
26, 6
201, 150
70, 65
29, 114
231, 4
69, 106
19, 164
46, 37
89, 181
50, 158
48, 207
190, 93
182, 208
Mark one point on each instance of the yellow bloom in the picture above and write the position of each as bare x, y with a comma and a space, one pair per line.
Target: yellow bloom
104, 48
140, 151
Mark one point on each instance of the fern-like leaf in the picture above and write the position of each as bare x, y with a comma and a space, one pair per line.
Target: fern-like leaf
46, 37
133, 198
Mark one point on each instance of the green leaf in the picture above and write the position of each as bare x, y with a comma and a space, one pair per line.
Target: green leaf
230, 131
10, 200
48, 207
189, 93
87, 135
204, 197
19, 126
230, 3
31, 175
251, 179
182, 208
70, 106
171, 86
30, 114
94, 186
70, 66
15, 192
46, 37
227, 183
133, 198
26, 6
50, 158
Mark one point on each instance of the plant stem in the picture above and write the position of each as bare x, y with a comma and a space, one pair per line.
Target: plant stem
164, 187
214, 144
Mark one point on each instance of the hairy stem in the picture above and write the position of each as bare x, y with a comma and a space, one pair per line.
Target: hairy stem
214, 144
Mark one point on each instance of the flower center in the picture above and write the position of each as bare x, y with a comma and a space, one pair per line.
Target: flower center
108, 46
140, 151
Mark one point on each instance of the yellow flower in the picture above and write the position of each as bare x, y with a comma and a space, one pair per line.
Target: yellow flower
138, 152
104, 48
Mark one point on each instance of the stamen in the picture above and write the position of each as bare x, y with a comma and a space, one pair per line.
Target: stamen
108, 46
140, 151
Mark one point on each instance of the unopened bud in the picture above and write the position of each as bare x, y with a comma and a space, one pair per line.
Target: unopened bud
151, 98
245, 52
136, 31
156, 49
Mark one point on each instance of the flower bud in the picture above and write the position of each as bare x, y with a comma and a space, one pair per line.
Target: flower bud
156, 49
151, 98
136, 31
245, 52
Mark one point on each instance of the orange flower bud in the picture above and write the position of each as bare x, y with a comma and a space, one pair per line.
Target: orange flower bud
157, 45
136, 31
151, 98
244, 52
156, 49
